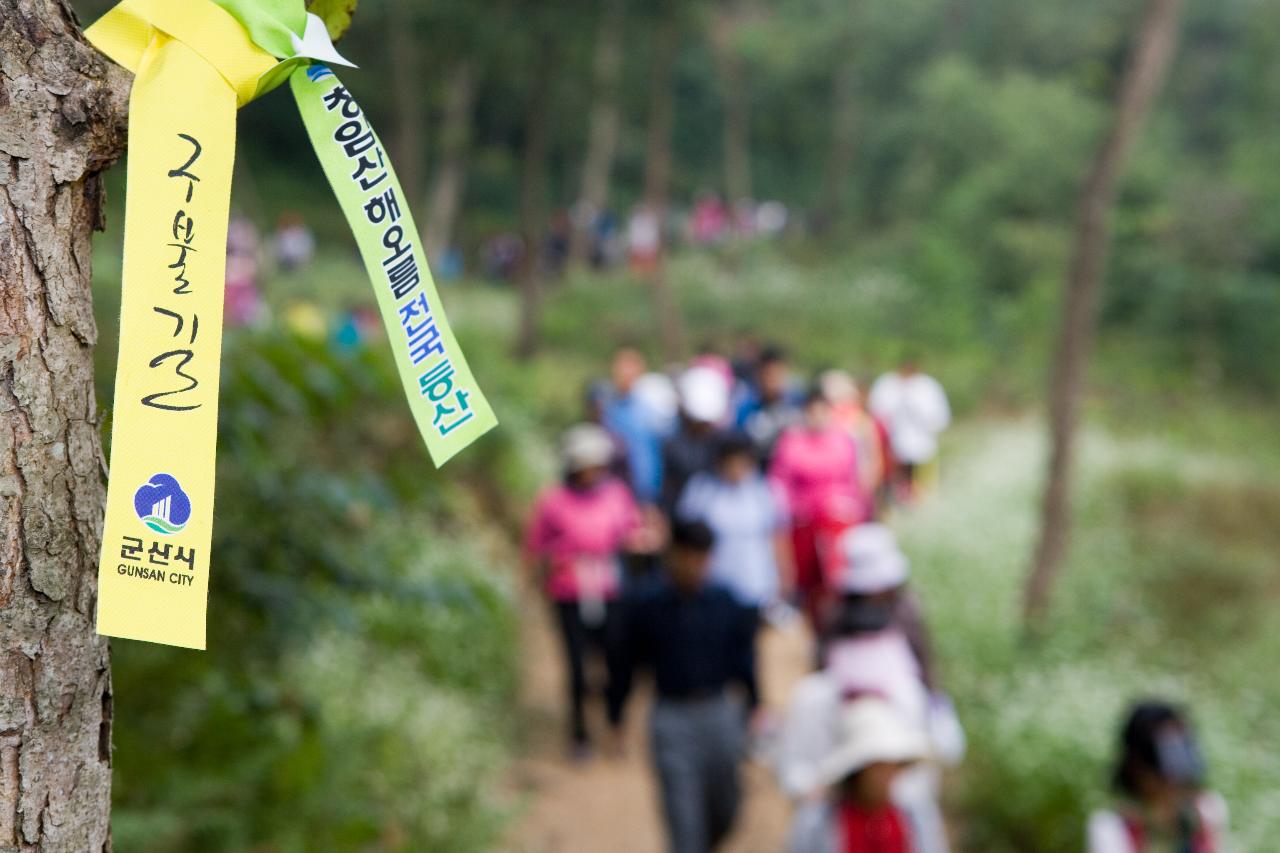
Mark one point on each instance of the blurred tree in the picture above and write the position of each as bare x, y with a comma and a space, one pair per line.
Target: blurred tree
668, 26
725, 23
1153, 46
533, 181
408, 143
62, 121
605, 121
449, 181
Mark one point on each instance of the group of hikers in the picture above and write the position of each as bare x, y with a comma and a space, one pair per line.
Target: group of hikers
705, 504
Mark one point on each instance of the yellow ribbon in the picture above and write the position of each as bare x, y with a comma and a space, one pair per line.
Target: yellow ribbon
194, 64
203, 26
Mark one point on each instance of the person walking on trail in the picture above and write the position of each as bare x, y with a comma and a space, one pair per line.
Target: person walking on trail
815, 464
771, 403
690, 450
915, 410
873, 567
852, 808
573, 543
752, 553
629, 415
697, 640
868, 651
875, 455
1160, 779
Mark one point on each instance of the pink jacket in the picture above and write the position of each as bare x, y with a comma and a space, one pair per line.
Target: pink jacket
818, 472
579, 534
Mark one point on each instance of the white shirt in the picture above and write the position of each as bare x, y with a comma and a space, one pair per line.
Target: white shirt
1107, 832
745, 517
914, 410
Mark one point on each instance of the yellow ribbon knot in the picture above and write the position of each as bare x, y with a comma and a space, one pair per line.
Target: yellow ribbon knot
213, 33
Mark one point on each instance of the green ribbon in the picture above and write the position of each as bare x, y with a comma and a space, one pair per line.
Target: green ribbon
448, 406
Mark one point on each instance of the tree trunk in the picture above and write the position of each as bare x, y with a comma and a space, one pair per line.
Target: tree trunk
736, 138
407, 94
1152, 50
451, 173
657, 171
533, 200
62, 121
844, 119
602, 139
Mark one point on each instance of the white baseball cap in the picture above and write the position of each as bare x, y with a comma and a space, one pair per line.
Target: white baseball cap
585, 446
871, 731
873, 562
704, 395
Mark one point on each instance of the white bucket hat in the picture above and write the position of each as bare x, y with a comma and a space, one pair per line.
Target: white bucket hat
873, 562
585, 446
871, 731
704, 394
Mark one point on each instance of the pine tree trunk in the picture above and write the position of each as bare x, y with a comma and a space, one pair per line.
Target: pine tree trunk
736, 131
657, 171
602, 138
1152, 50
62, 121
451, 173
844, 126
533, 200
407, 93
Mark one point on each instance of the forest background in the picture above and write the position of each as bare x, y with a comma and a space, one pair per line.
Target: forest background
360, 684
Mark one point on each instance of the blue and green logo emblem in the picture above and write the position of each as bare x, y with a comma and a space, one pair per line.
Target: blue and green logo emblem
162, 504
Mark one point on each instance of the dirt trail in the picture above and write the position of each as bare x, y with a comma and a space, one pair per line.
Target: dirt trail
609, 805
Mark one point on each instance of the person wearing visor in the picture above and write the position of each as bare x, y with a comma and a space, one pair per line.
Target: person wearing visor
853, 807
1164, 806
573, 543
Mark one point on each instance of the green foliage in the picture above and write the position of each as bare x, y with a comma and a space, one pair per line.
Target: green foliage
336, 15
1170, 592
361, 644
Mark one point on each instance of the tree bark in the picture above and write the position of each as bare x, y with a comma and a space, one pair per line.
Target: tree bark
533, 199
450, 178
1153, 47
407, 94
736, 132
657, 171
602, 138
62, 121
844, 127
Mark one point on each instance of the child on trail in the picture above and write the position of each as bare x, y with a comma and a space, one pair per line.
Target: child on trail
1160, 777
915, 410
697, 640
852, 809
573, 542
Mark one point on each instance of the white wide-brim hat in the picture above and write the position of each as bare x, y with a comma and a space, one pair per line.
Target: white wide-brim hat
585, 446
871, 731
872, 561
704, 394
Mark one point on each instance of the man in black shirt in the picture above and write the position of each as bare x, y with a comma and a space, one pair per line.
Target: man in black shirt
699, 642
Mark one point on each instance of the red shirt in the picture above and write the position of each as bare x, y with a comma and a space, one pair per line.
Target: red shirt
881, 830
